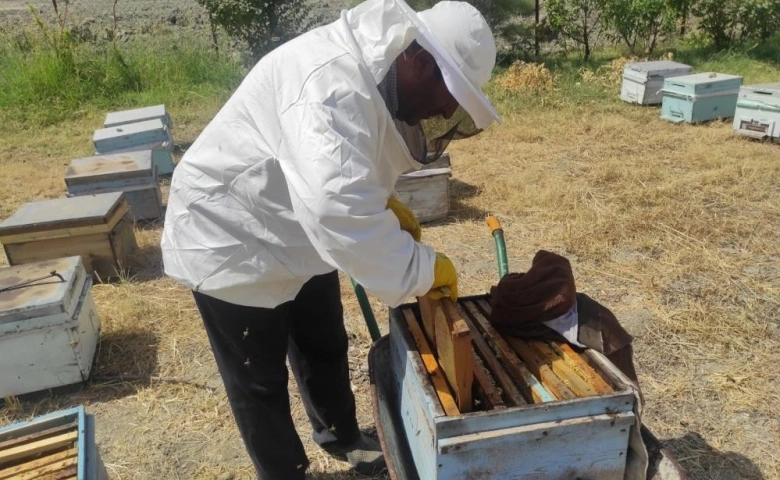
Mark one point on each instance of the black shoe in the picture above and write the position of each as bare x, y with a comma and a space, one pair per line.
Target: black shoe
365, 455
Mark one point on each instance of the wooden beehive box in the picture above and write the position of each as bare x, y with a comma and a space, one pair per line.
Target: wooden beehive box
583, 437
144, 135
642, 81
427, 191
59, 445
700, 97
99, 228
49, 328
758, 111
132, 173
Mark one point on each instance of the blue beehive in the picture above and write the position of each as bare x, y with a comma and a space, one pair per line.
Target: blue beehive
758, 111
700, 97
57, 445
131, 137
583, 437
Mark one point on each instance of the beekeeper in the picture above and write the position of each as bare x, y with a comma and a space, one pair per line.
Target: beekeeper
292, 181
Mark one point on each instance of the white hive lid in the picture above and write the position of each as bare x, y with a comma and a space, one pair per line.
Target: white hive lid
47, 299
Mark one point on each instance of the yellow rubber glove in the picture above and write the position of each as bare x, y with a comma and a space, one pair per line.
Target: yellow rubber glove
445, 279
405, 217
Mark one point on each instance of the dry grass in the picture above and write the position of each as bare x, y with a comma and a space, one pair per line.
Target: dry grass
608, 75
526, 77
675, 228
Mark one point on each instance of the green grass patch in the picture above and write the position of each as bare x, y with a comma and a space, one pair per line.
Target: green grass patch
44, 82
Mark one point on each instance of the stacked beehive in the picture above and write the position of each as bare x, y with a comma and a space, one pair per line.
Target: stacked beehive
48, 323
474, 402
140, 129
106, 193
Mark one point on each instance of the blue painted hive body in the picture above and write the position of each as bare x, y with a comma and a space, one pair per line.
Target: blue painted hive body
585, 437
58, 445
758, 111
700, 97
132, 137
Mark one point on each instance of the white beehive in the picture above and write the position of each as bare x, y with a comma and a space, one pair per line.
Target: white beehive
49, 328
427, 191
124, 117
642, 81
758, 111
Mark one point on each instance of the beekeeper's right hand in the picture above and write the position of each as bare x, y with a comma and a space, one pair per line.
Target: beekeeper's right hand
405, 217
445, 279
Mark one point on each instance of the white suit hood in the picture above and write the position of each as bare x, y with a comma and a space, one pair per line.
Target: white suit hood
291, 178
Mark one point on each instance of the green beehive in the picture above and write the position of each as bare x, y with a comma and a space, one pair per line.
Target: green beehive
700, 97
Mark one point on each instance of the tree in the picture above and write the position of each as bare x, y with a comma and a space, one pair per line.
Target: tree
639, 23
758, 19
579, 20
262, 24
496, 12
718, 20
682, 10
505, 18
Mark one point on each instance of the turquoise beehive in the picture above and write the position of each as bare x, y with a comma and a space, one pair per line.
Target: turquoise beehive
700, 97
136, 136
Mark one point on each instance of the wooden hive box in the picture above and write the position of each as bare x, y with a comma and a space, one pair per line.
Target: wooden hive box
49, 328
427, 191
584, 437
699, 98
758, 111
59, 445
642, 81
132, 173
98, 227
145, 135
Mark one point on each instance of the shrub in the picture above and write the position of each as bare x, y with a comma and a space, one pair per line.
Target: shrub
262, 24
578, 20
639, 23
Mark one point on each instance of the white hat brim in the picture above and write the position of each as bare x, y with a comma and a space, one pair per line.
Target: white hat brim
468, 96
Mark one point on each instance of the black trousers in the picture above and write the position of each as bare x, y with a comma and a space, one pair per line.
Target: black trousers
250, 345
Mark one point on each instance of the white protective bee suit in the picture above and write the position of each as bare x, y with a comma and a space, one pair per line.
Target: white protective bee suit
291, 178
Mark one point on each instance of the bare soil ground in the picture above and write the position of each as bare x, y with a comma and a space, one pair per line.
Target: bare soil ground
675, 228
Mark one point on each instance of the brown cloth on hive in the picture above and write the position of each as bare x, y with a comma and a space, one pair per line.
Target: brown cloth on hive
522, 302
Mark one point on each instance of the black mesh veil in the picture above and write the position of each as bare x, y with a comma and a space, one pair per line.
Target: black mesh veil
428, 139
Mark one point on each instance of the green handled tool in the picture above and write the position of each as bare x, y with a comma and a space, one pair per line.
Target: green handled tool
498, 236
365, 307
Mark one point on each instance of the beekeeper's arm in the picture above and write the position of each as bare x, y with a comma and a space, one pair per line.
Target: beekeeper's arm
329, 156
